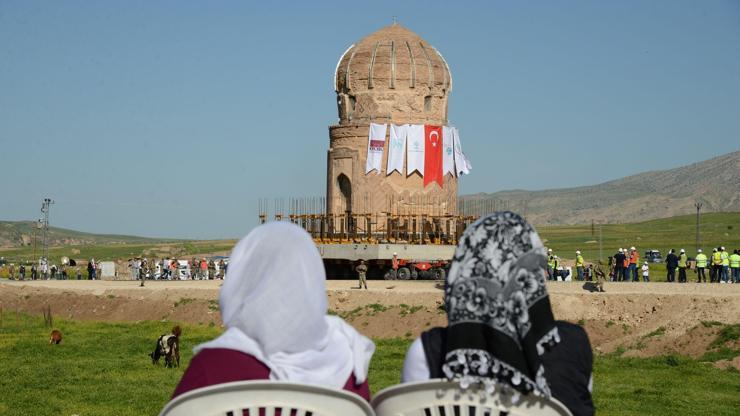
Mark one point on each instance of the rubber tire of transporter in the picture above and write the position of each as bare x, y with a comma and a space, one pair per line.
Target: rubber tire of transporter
390, 275
404, 273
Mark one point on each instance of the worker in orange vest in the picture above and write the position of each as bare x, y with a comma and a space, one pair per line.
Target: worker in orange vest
634, 260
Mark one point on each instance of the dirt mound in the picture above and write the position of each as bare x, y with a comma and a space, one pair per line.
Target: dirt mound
643, 319
727, 364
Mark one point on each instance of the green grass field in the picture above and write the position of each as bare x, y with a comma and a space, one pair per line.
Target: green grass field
717, 229
121, 251
104, 369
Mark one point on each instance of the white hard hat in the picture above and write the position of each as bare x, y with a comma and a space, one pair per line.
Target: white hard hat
632, 248
555, 256
549, 250
683, 251
698, 251
578, 252
621, 250
722, 248
395, 254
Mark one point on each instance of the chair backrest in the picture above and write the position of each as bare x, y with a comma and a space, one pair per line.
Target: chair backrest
445, 398
267, 398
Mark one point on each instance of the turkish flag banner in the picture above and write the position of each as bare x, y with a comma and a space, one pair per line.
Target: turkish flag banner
433, 155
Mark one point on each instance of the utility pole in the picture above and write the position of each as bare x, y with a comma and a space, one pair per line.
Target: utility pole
698, 206
601, 249
36, 228
45, 210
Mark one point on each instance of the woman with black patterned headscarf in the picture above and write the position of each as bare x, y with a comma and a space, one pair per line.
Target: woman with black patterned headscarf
500, 324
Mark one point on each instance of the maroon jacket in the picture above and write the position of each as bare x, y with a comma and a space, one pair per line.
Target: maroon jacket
220, 365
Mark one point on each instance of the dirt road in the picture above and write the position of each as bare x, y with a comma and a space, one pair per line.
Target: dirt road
625, 316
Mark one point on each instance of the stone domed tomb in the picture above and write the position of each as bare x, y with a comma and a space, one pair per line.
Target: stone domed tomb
390, 77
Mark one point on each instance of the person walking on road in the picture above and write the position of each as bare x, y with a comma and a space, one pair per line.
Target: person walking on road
671, 263
701, 265
735, 266
362, 271
600, 276
579, 265
682, 264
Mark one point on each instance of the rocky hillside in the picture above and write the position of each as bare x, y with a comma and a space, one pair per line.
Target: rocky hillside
21, 233
659, 194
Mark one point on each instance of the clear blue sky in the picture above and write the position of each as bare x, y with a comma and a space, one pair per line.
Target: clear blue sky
170, 118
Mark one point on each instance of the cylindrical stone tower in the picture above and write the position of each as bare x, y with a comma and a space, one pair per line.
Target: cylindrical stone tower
391, 76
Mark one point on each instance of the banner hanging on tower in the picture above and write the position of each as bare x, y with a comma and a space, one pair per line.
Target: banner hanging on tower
448, 152
396, 148
415, 149
433, 155
375, 146
462, 165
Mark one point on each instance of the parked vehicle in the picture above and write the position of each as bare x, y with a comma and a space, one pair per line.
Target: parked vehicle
653, 256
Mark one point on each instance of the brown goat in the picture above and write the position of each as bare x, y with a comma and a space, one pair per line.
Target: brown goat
56, 337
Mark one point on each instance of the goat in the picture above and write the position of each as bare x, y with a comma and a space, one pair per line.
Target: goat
56, 337
168, 346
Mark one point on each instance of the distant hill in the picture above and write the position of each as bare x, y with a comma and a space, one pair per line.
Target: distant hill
20, 233
650, 195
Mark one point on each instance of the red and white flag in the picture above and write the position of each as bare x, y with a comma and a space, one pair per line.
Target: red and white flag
433, 155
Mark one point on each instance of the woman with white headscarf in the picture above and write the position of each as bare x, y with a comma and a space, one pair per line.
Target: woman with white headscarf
500, 324
273, 304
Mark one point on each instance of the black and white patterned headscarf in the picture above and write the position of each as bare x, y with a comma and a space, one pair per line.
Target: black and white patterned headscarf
498, 311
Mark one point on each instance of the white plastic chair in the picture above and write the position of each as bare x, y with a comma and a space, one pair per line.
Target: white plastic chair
445, 398
255, 398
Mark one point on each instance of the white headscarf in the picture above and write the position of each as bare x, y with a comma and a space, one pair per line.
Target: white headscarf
273, 304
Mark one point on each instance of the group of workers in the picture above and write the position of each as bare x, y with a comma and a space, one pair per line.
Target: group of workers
723, 266
624, 266
44, 271
555, 269
169, 269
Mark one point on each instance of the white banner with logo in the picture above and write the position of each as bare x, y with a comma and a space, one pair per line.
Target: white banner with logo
397, 148
448, 155
375, 146
415, 149
462, 165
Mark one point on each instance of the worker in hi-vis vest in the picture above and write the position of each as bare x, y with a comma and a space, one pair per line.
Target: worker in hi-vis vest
634, 258
725, 257
735, 266
550, 264
716, 272
579, 265
682, 264
701, 265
